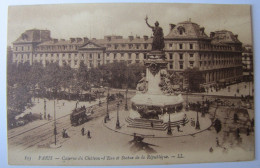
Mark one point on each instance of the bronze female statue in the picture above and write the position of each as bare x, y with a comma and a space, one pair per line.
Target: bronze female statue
158, 39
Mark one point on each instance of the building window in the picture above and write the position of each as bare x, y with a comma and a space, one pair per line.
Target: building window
191, 55
90, 56
145, 55
98, 56
116, 46
191, 64
137, 56
180, 46
114, 55
145, 46
129, 56
181, 65
200, 63
191, 46
22, 48
170, 56
130, 46
170, 45
181, 56
171, 66
137, 61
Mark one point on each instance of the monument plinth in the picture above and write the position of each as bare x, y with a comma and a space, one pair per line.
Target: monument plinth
155, 105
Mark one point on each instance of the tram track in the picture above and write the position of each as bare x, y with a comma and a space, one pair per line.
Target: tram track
43, 132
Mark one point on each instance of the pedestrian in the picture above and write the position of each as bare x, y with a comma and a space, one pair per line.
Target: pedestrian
210, 149
49, 117
152, 124
105, 119
82, 131
178, 128
40, 116
217, 142
248, 131
238, 133
89, 134
64, 133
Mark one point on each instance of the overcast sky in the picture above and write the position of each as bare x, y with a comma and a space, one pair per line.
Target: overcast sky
97, 20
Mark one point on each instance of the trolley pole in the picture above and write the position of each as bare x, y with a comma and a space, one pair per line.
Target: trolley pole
55, 129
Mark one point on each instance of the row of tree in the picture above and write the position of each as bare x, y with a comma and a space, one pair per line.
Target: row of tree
24, 79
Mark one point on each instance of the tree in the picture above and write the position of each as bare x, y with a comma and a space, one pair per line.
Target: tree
194, 78
66, 76
52, 77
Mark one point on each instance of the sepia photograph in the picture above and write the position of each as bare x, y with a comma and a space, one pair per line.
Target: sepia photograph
109, 84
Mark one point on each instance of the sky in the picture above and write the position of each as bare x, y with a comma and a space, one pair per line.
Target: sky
96, 20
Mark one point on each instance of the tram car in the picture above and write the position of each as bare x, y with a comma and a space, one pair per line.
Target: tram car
79, 116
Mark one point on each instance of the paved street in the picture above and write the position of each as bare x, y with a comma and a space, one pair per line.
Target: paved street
38, 140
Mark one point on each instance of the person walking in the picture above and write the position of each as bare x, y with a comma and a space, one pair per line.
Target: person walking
82, 131
89, 134
178, 128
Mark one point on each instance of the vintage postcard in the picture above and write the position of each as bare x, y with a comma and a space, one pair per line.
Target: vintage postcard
130, 84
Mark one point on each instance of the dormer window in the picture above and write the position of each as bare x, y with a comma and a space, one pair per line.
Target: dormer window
181, 30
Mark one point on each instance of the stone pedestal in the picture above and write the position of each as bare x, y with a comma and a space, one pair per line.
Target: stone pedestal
155, 64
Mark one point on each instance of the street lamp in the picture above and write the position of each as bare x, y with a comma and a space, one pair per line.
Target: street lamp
187, 102
44, 109
197, 122
107, 116
169, 132
117, 120
126, 105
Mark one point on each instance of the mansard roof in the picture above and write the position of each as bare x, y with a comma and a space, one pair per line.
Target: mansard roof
33, 35
186, 30
224, 37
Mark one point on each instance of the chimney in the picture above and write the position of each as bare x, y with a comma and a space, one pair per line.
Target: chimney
131, 38
55, 40
108, 38
145, 38
202, 30
72, 40
85, 39
78, 39
172, 26
212, 34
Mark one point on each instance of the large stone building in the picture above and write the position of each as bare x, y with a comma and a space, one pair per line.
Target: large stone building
247, 61
217, 56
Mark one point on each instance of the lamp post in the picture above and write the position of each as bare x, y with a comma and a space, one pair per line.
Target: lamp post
197, 122
169, 132
55, 128
117, 119
107, 116
126, 105
44, 109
